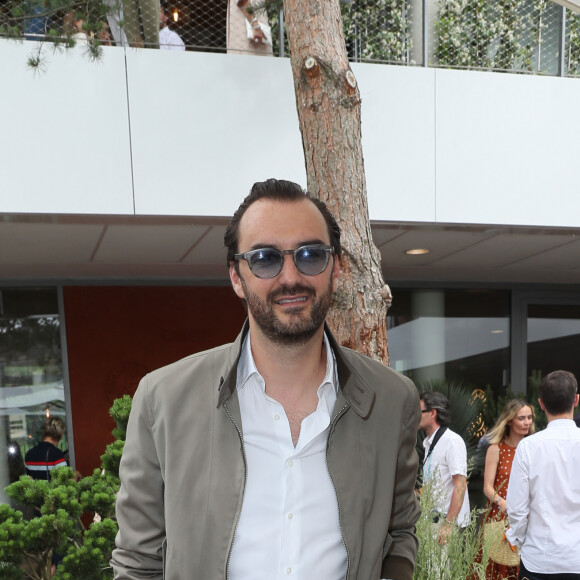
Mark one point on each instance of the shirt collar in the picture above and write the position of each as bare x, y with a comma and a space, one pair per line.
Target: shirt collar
247, 368
565, 423
428, 440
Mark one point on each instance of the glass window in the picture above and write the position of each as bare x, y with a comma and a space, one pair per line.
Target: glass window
31, 375
451, 334
553, 332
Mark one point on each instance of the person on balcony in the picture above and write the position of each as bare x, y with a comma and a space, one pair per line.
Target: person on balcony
247, 32
168, 39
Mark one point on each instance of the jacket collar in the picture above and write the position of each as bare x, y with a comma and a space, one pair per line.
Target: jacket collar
354, 388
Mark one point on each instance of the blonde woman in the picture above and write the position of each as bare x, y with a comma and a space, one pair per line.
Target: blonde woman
515, 422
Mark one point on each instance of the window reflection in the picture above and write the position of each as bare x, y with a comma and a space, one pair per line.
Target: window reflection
553, 332
455, 335
31, 378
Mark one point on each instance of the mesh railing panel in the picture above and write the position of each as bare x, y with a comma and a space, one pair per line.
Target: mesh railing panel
572, 46
507, 35
511, 35
378, 30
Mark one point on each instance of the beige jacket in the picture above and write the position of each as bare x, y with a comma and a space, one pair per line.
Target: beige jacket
183, 469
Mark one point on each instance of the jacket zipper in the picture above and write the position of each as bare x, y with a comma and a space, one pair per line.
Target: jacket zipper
244, 490
330, 431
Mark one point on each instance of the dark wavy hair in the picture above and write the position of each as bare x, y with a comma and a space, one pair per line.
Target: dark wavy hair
439, 402
558, 391
284, 191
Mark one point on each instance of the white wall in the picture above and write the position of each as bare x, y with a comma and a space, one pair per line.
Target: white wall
199, 129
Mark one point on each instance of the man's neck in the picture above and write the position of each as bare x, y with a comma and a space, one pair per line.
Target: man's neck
430, 429
290, 371
51, 440
551, 417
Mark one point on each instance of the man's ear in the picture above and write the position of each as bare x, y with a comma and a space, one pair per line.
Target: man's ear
236, 280
576, 399
335, 272
541, 404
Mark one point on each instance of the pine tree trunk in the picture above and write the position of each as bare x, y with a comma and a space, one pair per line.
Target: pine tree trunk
328, 103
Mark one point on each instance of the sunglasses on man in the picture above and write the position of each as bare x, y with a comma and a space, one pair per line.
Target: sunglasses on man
309, 260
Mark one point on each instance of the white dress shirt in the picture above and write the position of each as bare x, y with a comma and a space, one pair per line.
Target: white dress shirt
543, 499
449, 458
170, 40
288, 526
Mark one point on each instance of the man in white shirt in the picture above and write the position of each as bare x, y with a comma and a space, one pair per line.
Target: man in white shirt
282, 455
168, 39
543, 498
444, 464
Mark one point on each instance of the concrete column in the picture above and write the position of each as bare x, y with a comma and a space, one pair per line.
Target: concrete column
428, 336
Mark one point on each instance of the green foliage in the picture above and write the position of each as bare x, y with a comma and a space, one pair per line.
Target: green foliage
27, 546
378, 30
91, 560
112, 457
27, 491
573, 44
457, 558
491, 35
11, 537
54, 19
98, 493
120, 413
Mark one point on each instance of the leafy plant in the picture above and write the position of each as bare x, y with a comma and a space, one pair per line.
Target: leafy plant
51, 23
27, 546
508, 35
464, 556
573, 44
378, 30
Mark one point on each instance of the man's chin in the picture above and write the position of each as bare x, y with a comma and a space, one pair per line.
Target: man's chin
293, 337
295, 331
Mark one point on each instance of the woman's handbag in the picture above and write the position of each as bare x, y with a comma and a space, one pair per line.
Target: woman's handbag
499, 549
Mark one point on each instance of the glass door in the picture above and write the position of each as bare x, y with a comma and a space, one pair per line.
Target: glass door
546, 337
31, 374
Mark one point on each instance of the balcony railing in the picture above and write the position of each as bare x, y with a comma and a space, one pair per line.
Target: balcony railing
521, 36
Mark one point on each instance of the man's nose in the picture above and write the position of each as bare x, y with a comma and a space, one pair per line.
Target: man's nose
289, 271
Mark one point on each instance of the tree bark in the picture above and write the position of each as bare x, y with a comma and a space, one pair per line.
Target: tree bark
329, 108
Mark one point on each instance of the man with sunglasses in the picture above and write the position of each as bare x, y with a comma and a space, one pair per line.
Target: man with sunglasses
282, 455
444, 466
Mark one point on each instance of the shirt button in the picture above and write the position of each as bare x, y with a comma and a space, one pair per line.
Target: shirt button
290, 516
290, 463
288, 570
277, 417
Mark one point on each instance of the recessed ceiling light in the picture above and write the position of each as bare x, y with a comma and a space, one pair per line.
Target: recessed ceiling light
497, 331
417, 251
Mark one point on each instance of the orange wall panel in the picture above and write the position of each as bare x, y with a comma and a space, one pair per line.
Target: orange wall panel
115, 335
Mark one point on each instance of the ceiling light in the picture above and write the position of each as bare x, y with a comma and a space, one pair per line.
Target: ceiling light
497, 331
417, 251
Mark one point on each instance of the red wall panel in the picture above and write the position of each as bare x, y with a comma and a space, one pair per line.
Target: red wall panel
115, 335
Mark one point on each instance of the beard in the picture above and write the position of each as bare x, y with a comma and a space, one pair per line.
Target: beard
300, 327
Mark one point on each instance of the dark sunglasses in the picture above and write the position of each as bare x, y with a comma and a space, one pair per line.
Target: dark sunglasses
309, 260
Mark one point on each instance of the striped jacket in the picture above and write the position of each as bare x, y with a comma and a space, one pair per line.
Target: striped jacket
42, 459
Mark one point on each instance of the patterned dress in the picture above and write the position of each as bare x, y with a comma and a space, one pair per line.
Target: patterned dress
496, 571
